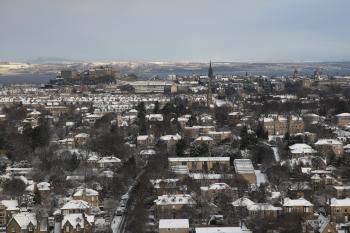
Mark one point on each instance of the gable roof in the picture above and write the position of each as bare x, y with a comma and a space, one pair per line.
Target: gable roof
75, 204
24, 219
77, 219
296, 202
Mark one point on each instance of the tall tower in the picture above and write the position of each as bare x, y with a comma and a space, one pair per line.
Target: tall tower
295, 74
210, 77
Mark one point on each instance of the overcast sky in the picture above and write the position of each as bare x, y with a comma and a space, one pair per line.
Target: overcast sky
175, 30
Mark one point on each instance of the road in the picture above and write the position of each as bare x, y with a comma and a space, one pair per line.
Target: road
119, 222
276, 154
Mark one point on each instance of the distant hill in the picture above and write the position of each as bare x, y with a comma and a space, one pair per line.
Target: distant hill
146, 70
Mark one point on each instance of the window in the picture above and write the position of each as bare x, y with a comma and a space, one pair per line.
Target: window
183, 163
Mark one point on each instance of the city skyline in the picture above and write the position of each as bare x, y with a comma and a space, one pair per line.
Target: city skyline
238, 31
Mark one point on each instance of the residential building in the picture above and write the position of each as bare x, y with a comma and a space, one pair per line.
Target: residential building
299, 206
342, 119
24, 222
204, 164
77, 223
339, 209
280, 125
89, 195
300, 150
327, 146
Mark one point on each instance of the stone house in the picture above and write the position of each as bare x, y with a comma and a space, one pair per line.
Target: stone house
299, 206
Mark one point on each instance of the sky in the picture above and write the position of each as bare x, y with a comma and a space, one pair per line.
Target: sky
175, 30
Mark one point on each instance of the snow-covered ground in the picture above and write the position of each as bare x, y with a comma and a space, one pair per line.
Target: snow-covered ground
260, 177
9, 68
117, 224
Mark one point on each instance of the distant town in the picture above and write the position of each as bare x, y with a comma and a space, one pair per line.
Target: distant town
101, 149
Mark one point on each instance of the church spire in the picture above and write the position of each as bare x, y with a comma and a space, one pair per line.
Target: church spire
210, 71
210, 77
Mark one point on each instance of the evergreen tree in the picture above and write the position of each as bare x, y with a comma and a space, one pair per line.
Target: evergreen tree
192, 121
244, 138
156, 108
142, 118
37, 197
180, 147
261, 133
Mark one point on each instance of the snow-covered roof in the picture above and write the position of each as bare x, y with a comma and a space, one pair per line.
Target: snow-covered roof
303, 150
243, 201
198, 159
11, 205
216, 186
235, 114
328, 142
156, 183
87, 192
299, 146
203, 138
263, 207
24, 219
275, 195
340, 202
209, 176
143, 137
82, 135
157, 117
296, 202
174, 223
339, 187
243, 166
43, 186
345, 114
75, 204
169, 137
176, 199
267, 119
109, 159
148, 152
222, 230
75, 219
